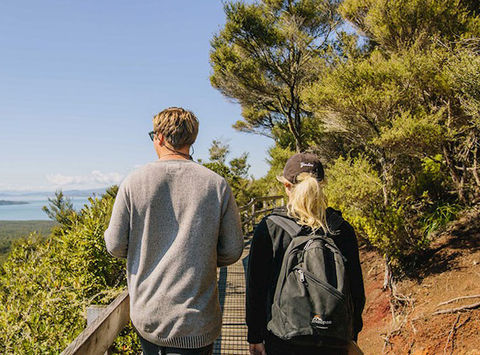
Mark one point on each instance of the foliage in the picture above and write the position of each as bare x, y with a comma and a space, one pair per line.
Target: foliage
47, 283
405, 225
13, 230
396, 25
406, 103
277, 158
264, 56
429, 51
60, 208
440, 216
355, 188
235, 172
218, 151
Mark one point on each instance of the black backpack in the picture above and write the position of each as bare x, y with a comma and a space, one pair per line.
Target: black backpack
312, 302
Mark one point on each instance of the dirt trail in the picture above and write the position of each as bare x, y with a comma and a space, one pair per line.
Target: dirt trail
452, 271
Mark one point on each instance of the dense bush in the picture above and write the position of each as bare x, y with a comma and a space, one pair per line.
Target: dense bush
355, 188
47, 284
405, 226
13, 230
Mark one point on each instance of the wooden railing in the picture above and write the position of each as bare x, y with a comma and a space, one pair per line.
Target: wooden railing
256, 208
99, 335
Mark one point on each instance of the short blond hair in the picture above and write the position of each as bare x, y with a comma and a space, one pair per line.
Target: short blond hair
177, 125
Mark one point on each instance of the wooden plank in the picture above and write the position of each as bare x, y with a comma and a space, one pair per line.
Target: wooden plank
233, 339
258, 213
101, 334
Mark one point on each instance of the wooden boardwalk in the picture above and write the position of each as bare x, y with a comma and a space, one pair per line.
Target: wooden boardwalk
231, 286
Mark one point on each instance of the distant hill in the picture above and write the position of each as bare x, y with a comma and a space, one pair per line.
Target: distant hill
68, 193
8, 203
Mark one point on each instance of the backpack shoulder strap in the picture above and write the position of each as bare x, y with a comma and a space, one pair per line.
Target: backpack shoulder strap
334, 221
289, 226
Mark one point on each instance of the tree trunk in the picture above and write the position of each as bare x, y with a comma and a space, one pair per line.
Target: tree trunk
458, 180
298, 146
295, 129
385, 179
388, 279
475, 167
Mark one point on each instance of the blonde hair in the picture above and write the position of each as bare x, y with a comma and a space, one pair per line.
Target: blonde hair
307, 202
177, 125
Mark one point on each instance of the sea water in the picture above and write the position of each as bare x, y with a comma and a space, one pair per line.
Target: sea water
33, 209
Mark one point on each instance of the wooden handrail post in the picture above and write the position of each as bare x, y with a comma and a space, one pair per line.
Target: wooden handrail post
100, 335
253, 216
268, 202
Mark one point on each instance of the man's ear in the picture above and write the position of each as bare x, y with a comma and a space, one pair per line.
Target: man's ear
161, 139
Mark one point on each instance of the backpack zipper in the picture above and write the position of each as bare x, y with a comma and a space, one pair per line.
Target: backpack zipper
301, 274
332, 290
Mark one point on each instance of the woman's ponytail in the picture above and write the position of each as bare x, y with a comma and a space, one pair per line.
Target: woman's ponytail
308, 203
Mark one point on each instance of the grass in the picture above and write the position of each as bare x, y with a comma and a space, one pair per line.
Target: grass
13, 230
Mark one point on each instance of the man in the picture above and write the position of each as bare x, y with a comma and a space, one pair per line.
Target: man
175, 221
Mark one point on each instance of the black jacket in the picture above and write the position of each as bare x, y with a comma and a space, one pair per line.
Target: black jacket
265, 260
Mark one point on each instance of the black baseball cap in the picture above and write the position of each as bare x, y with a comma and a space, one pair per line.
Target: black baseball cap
303, 163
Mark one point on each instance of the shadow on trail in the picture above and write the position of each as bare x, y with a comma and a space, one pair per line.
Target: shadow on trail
445, 250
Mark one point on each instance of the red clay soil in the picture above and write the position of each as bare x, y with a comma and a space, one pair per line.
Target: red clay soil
377, 317
451, 270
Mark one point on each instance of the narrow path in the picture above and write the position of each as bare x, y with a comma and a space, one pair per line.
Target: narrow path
231, 286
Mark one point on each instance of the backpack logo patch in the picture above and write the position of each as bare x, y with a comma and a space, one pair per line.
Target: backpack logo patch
318, 322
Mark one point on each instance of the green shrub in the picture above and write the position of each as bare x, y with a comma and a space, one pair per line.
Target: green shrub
439, 217
355, 188
47, 284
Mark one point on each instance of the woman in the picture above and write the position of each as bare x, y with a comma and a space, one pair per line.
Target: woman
303, 178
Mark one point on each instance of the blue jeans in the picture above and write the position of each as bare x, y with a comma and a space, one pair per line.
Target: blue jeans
154, 349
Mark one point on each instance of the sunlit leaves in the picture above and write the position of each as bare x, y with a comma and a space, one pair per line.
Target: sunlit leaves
46, 284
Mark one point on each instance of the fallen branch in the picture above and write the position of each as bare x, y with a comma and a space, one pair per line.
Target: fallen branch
458, 309
404, 301
463, 323
456, 299
386, 340
450, 335
454, 329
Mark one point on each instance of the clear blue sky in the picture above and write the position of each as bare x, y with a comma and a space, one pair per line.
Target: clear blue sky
81, 80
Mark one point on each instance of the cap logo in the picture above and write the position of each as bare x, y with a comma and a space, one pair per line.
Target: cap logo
302, 164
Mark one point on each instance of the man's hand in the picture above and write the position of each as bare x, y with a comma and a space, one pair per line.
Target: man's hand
257, 349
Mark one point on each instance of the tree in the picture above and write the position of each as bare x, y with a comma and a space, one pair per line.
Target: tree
239, 166
432, 33
396, 25
464, 75
235, 172
60, 208
264, 56
218, 151
400, 107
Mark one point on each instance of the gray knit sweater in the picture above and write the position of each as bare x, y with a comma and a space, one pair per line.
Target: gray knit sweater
175, 221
